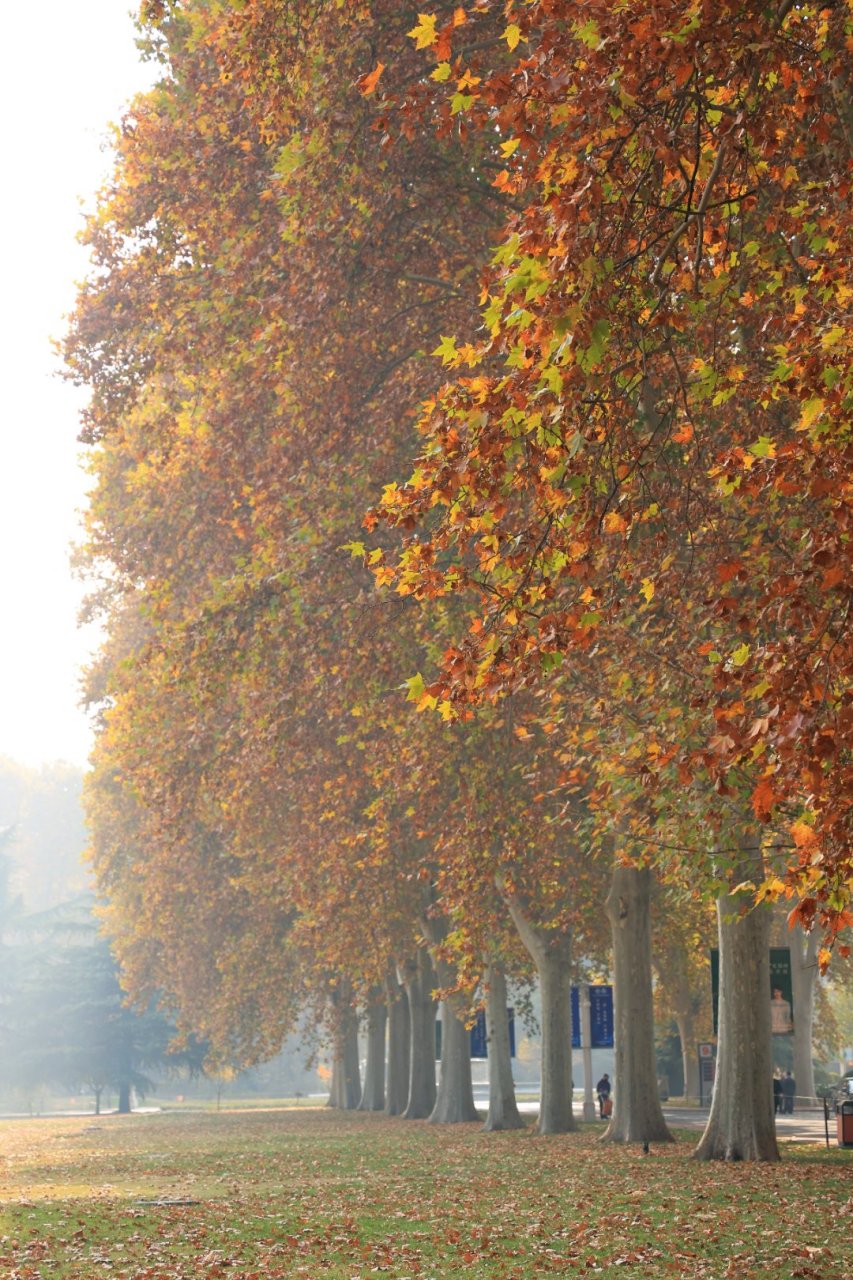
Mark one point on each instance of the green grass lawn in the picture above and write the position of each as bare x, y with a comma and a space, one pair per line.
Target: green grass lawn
315, 1193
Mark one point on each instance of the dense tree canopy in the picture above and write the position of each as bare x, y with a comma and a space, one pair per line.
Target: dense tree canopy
645, 465
612, 616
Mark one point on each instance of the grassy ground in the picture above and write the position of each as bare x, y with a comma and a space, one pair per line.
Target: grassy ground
316, 1194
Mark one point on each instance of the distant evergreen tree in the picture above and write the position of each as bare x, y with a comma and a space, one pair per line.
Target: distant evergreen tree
65, 1022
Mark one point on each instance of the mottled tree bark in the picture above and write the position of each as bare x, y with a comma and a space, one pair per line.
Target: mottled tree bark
419, 980
637, 1114
551, 951
741, 1124
373, 1092
454, 1101
503, 1109
399, 1047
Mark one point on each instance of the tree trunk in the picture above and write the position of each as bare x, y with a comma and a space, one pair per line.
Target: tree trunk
503, 1110
345, 1092
399, 1047
672, 962
741, 1124
637, 1114
373, 1093
419, 981
689, 1057
124, 1098
454, 1101
804, 948
98, 1093
551, 952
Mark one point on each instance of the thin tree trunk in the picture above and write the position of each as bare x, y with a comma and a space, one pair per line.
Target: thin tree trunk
373, 1093
670, 958
399, 1047
345, 1092
804, 949
689, 1057
503, 1109
454, 1100
551, 952
125, 1062
741, 1124
637, 1114
419, 981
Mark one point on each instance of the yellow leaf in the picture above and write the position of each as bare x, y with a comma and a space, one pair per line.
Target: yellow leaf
740, 655
424, 34
648, 588
811, 410
508, 147
512, 35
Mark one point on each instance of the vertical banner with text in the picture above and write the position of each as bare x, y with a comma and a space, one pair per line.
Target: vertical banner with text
600, 1017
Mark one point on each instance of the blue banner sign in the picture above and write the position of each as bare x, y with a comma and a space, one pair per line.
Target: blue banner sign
600, 1017
479, 1039
479, 1043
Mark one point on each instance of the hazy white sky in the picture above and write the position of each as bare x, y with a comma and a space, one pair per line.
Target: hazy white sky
67, 71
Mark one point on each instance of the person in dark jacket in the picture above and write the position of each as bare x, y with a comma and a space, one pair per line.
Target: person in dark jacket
777, 1092
603, 1091
789, 1092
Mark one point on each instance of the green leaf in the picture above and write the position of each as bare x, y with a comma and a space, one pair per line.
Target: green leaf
460, 102
356, 549
589, 34
447, 350
599, 338
416, 688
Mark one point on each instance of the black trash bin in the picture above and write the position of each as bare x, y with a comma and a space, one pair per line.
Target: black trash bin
844, 1118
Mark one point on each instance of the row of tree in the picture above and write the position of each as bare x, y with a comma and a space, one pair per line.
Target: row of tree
621, 558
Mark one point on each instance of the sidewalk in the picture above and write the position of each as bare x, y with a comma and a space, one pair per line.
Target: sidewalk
806, 1125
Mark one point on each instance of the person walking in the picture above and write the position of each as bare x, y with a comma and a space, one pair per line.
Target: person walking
789, 1092
603, 1090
